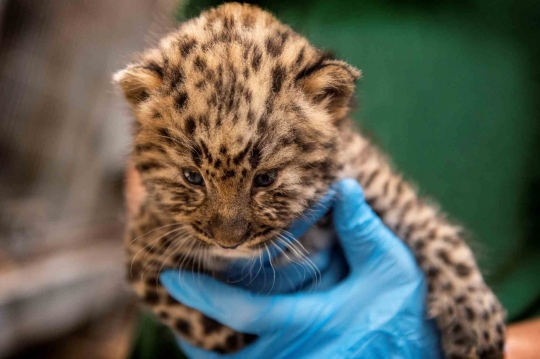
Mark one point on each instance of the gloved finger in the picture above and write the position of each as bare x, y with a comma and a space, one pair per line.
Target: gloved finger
312, 216
334, 273
361, 232
235, 307
197, 353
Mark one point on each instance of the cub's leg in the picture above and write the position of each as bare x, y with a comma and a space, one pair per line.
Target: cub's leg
469, 316
148, 255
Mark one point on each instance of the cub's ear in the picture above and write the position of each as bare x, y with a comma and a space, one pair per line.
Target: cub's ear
138, 81
330, 84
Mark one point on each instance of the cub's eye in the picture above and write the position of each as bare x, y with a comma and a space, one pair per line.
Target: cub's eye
265, 179
193, 177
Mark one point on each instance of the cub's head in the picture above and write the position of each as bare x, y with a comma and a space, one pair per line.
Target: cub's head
237, 124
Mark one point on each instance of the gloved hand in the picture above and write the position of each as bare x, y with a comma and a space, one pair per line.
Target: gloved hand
377, 311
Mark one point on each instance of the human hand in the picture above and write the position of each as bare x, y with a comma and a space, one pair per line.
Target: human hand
377, 311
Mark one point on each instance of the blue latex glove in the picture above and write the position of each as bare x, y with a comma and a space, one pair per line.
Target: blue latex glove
377, 311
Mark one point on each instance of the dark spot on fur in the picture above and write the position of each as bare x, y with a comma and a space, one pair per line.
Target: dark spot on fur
196, 155
163, 315
151, 296
452, 240
223, 150
419, 245
170, 300
240, 156
262, 125
228, 23
433, 272
462, 270
448, 286
203, 120
220, 349
210, 75
142, 96
177, 78
183, 326
278, 76
314, 67
217, 164
457, 329
247, 96
371, 178
190, 125
255, 157
154, 67
210, 325
256, 59
200, 64
249, 338
199, 85
186, 46
181, 101
300, 57
460, 341
148, 166
232, 342
470, 314
148, 147
274, 46
443, 255
228, 174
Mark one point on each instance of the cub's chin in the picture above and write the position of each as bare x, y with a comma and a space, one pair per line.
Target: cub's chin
236, 253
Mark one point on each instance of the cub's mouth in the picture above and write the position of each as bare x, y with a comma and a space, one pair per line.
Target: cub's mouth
233, 253
250, 244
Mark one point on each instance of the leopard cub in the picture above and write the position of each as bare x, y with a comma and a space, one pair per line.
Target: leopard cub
241, 126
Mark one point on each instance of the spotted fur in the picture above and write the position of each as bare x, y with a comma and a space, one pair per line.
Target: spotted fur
233, 94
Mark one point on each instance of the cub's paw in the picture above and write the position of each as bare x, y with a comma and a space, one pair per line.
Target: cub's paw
471, 323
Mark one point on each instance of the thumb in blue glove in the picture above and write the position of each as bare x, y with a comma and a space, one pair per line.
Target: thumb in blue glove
377, 311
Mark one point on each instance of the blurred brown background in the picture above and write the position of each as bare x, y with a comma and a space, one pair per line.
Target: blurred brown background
63, 139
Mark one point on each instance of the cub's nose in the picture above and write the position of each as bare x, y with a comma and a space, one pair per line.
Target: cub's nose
229, 233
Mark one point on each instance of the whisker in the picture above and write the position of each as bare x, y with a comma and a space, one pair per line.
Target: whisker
186, 256
294, 249
155, 229
291, 237
271, 265
180, 242
166, 234
260, 267
148, 265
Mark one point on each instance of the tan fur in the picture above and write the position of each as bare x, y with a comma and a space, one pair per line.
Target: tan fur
234, 94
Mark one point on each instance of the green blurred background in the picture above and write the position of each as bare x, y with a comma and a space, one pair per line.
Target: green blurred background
450, 90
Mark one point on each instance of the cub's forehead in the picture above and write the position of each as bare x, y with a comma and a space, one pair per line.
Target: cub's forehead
233, 73
229, 81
